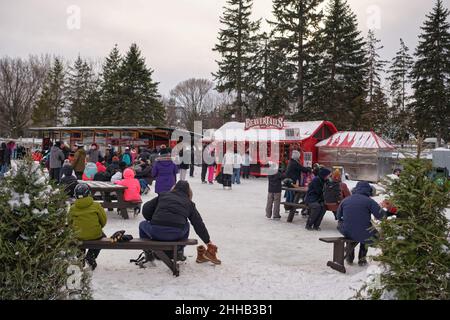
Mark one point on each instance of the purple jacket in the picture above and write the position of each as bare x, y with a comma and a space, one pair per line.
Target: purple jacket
165, 172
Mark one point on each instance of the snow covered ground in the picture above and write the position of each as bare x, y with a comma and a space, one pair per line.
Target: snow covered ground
261, 258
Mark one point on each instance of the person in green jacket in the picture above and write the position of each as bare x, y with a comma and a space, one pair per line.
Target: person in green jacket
88, 218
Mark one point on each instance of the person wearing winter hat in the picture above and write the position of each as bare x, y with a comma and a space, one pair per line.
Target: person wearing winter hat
68, 180
164, 171
315, 200
293, 172
335, 191
87, 218
167, 219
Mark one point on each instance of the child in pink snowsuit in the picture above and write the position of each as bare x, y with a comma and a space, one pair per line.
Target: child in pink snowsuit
133, 191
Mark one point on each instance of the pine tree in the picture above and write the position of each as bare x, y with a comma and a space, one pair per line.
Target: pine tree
415, 247
38, 248
295, 27
399, 80
273, 96
376, 114
80, 86
237, 42
49, 110
140, 100
431, 76
110, 89
339, 88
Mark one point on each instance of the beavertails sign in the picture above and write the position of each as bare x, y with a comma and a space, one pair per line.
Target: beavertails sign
265, 123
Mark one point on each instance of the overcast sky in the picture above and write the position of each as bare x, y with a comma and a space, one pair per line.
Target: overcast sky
176, 36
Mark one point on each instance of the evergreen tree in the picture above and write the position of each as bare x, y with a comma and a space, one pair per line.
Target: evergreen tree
375, 66
340, 74
377, 109
379, 120
139, 98
295, 27
431, 76
236, 46
49, 110
110, 89
80, 84
273, 97
399, 82
414, 248
38, 249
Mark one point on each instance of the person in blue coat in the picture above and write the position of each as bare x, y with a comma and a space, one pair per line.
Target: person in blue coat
354, 215
315, 201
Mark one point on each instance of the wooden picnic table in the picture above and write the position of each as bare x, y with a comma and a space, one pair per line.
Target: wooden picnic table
107, 202
298, 203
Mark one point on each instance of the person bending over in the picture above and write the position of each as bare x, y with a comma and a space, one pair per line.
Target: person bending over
354, 215
167, 219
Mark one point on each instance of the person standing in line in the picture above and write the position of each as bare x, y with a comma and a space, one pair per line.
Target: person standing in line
93, 155
212, 168
237, 162
56, 162
164, 171
228, 164
126, 157
5, 159
246, 165
204, 165
274, 196
79, 161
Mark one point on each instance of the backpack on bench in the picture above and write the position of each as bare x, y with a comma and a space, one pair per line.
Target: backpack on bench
332, 192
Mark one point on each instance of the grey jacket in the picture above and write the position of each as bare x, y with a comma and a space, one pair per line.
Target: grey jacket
56, 157
93, 155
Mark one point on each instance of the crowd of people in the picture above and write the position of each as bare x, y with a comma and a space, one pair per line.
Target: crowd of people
167, 217
326, 191
10, 151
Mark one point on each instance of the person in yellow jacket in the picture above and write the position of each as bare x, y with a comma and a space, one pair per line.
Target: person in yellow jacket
88, 219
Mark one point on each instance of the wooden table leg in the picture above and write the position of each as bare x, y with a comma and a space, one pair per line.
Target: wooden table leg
120, 201
290, 218
172, 265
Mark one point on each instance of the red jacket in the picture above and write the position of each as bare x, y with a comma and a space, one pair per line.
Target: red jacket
133, 191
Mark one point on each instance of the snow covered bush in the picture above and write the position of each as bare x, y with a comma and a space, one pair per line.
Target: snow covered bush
39, 258
414, 248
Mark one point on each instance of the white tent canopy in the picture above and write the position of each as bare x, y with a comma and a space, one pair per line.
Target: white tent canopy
235, 131
352, 139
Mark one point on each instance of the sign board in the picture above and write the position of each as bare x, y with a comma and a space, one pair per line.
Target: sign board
265, 123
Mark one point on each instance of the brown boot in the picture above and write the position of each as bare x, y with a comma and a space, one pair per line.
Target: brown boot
211, 254
201, 250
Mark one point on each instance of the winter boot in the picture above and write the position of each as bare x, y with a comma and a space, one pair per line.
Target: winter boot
201, 250
211, 254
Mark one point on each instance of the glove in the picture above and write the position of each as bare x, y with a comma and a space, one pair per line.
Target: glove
117, 236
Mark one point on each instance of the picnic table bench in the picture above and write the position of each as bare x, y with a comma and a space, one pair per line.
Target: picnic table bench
107, 202
158, 247
299, 195
341, 248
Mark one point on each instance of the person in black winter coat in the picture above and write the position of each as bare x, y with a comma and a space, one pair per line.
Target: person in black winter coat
354, 215
168, 215
6, 159
274, 196
315, 201
293, 172
68, 180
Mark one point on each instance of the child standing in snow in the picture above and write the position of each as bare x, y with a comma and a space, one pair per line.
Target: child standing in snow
87, 218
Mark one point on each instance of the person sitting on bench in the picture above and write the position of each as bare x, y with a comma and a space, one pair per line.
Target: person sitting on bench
88, 219
354, 216
315, 201
133, 191
167, 220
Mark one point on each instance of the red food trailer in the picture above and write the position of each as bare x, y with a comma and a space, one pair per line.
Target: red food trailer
264, 132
